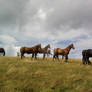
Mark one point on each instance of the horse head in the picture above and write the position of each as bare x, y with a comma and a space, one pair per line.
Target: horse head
38, 47
72, 46
48, 46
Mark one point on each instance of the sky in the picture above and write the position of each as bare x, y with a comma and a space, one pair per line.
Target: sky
55, 22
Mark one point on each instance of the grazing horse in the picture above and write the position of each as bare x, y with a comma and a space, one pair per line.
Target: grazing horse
45, 50
63, 52
2, 51
30, 50
86, 54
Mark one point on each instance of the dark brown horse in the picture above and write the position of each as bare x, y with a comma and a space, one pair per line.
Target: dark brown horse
45, 50
30, 50
63, 52
86, 54
2, 51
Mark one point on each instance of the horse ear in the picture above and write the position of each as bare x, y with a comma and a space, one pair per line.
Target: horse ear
40, 44
72, 44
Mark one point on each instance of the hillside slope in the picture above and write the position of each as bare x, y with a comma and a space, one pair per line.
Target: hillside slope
40, 75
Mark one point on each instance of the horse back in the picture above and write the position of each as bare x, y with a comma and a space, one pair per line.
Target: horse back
59, 51
24, 50
87, 53
1, 49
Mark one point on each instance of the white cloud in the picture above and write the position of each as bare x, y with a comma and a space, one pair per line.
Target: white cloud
84, 43
9, 44
8, 40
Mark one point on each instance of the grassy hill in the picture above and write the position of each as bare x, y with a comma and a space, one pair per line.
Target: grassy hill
40, 75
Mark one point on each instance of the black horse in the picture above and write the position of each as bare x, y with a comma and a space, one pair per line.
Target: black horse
86, 54
2, 51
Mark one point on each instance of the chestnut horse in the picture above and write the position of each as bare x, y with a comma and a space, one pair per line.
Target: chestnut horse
63, 52
30, 50
45, 50
2, 51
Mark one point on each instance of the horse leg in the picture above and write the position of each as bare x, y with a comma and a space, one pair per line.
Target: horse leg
35, 55
22, 55
47, 55
66, 58
44, 56
88, 61
62, 57
32, 55
53, 56
84, 60
57, 56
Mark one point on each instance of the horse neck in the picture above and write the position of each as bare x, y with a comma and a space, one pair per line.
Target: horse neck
68, 48
46, 48
36, 47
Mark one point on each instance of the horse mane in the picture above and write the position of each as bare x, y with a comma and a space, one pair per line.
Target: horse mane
42, 50
69, 46
37, 45
46, 46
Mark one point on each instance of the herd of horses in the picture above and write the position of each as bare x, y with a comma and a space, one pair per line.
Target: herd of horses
46, 50
37, 49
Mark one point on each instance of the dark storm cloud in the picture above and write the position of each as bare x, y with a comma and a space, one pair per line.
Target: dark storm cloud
28, 22
71, 13
11, 11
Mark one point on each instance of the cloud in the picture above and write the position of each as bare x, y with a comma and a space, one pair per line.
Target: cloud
71, 13
29, 22
9, 44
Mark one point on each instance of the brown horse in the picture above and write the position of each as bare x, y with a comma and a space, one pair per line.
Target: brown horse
30, 50
63, 52
48, 52
45, 50
2, 51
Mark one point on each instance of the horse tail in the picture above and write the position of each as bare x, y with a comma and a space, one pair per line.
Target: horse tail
84, 58
22, 49
54, 54
4, 53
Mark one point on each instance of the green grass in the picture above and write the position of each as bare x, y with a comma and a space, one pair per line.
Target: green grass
40, 75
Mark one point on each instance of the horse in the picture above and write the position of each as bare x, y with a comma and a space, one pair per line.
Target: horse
86, 54
45, 50
30, 50
2, 51
63, 52
48, 52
